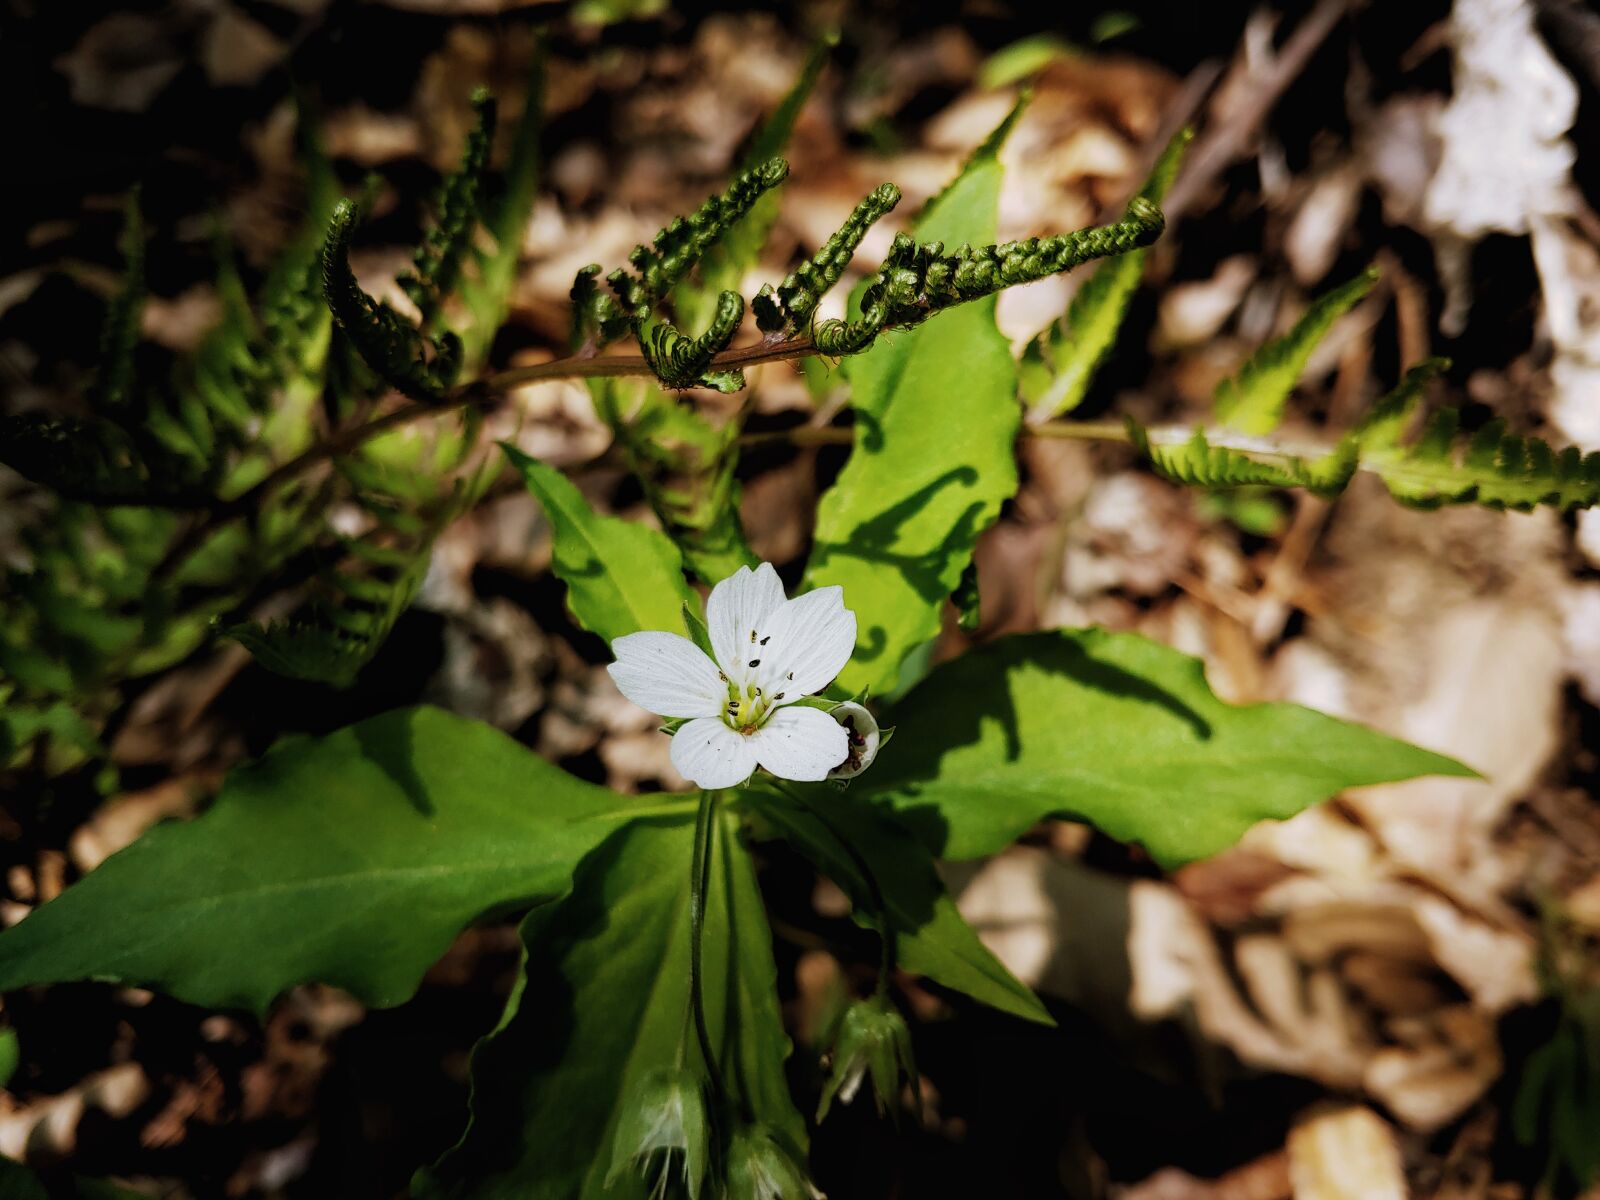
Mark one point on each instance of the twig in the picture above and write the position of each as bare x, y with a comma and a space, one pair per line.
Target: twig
1225, 144
477, 394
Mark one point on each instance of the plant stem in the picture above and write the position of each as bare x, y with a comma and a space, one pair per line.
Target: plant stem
699, 881
886, 954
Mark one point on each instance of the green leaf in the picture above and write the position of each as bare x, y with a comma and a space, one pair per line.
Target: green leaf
1119, 731
10, 1055
19, 1183
621, 577
931, 937
603, 1003
1024, 58
1065, 359
936, 418
351, 859
1253, 400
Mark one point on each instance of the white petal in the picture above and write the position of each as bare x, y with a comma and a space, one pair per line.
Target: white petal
800, 743
736, 608
805, 644
864, 737
710, 755
667, 674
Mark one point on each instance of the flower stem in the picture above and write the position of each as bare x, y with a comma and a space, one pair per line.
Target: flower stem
699, 881
886, 939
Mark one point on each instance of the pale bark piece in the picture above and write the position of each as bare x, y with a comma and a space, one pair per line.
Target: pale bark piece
1350, 1154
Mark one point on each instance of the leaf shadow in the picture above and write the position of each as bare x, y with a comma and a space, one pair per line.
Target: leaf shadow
391, 747
874, 541
952, 708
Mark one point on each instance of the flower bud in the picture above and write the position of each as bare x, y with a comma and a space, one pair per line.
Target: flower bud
760, 1168
862, 728
872, 1041
664, 1125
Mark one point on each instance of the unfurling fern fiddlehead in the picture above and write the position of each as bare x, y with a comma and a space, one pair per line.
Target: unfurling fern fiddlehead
680, 361
804, 287
919, 279
415, 366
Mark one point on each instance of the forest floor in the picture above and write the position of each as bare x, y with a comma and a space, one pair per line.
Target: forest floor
1343, 1005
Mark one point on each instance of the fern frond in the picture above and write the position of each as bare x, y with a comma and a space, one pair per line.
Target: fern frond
1440, 466
1198, 463
439, 256
1058, 367
1490, 467
804, 287
119, 334
354, 611
1253, 401
676, 248
596, 316
416, 366
680, 361
92, 461
918, 279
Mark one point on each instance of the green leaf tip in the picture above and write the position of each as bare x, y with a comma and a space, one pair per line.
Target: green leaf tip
1059, 365
1254, 400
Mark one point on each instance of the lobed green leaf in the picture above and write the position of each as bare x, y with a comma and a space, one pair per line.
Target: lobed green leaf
351, 859
1119, 731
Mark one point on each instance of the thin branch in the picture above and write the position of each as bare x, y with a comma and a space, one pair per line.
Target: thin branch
1225, 144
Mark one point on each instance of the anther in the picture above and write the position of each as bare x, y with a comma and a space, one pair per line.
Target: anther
766, 639
755, 662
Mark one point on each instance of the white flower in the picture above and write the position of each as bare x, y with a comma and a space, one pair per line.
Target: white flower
771, 652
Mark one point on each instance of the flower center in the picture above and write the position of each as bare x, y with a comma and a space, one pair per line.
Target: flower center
748, 708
